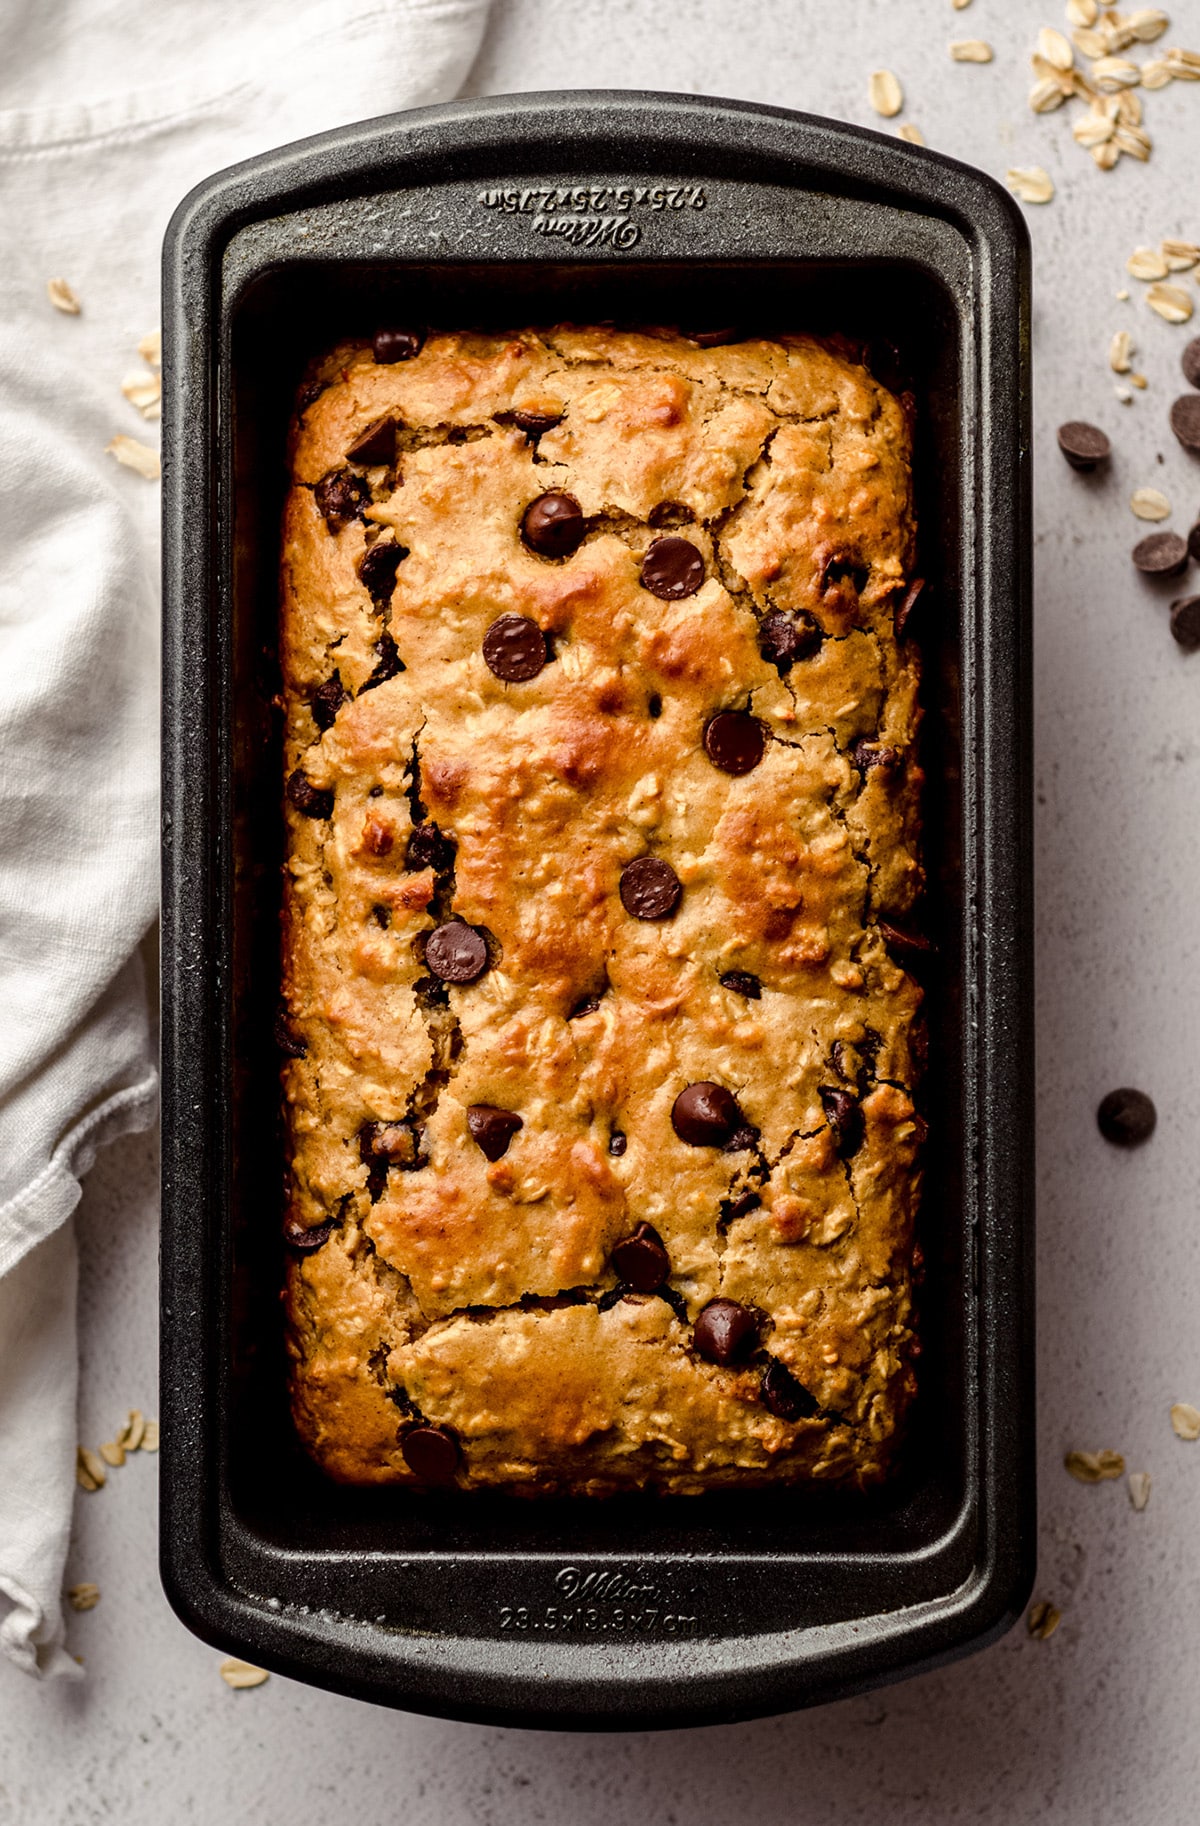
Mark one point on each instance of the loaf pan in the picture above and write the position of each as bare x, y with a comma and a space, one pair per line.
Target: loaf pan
637, 1611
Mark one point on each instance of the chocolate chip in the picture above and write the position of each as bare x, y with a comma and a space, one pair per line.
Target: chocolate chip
741, 1206
1185, 622
671, 513
672, 568
553, 525
431, 1453
1083, 445
1185, 420
493, 1129
382, 916
837, 1058
389, 664
515, 649
706, 1115
586, 1004
430, 848
867, 754
533, 424
743, 1138
1126, 1118
907, 605
289, 1043
734, 741
1194, 539
456, 953
618, 1141
313, 801
710, 339
844, 567
641, 1260
782, 639
376, 445
742, 982
340, 497
306, 1237
397, 345
844, 1115
725, 1332
1161, 554
654, 705
907, 947
783, 1396
327, 700
377, 569
1190, 362
650, 888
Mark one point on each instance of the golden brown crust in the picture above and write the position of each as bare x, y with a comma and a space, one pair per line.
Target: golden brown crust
439, 1293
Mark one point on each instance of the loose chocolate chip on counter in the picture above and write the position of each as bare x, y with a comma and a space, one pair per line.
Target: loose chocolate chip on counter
533, 424
1190, 362
515, 649
734, 741
706, 1115
672, 568
327, 700
553, 525
867, 754
844, 1115
1194, 542
388, 665
289, 1043
650, 888
306, 1237
377, 569
431, 1453
376, 445
340, 497
1126, 1118
641, 1260
313, 801
908, 604
725, 1331
783, 1396
1083, 445
430, 848
907, 947
493, 1129
1185, 420
1161, 554
456, 953
1185, 622
783, 639
397, 345
618, 1141
587, 1004
742, 982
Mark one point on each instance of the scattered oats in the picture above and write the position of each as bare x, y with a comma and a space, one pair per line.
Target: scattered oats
1179, 256
1146, 24
1119, 351
1122, 296
1129, 108
1150, 504
89, 1471
113, 1453
884, 93
1144, 263
971, 50
1113, 73
144, 390
1186, 1420
150, 1437
1029, 183
1171, 302
912, 133
1133, 140
1107, 155
238, 1674
62, 297
1139, 381
1082, 12
1056, 48
1092, 44
150, 348
1047, 94
132, 1432
1094, 128
1183, 65
1139, 1489
83, 1597
1095, 1467
960, 5
1043, 1619
137, 456
1156, 74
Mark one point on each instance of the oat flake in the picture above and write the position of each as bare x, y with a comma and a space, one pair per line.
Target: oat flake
89, 1469
971, 50
83, 1597
1043, 1619
150, 348
134, 455
1082, 12
912, 133
1171, 302
1150, 504
1139, 1489
1179, 256
150, 1437
239, 1674
1094, 1467
1186, 1420
884, 93
1120, 350
1029, 183
62, 297
113, 1453
1146, 263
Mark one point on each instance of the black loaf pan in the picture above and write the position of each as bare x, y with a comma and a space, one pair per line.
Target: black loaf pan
634, 1611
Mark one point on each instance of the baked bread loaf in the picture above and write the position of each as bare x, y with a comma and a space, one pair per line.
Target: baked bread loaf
599, 1019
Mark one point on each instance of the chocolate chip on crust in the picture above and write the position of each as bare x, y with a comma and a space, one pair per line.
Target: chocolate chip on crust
431, 1453
553, 525
534, 424
1161, 554
706, 1115
618, 1141
388, 665
641, 1259
306, 1237
672, 568
866, 754
327, 700
783, 639
456, 953
735, 741
907, 605
783, 1396
844, 1115
650, 888
711, 339
1126, 1118
744, 1136
515, 649
587, 1004
1083, 445
288, 1042
493, 1128
1185, 420
725, 1332
376, 445
378, 567
1185, 622
340, 497
313, 801
742, 982
430, 848
907, 947
397, 345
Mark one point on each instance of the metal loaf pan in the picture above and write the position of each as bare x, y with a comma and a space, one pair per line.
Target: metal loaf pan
634, 1611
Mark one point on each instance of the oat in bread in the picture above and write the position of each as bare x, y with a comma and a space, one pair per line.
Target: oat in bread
602, 807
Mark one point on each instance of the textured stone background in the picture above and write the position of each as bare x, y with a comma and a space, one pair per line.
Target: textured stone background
1099, 1724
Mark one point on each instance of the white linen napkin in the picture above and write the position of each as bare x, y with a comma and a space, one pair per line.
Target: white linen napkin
109, 113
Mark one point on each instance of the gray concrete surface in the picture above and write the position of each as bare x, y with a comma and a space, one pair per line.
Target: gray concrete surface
1098, 1725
